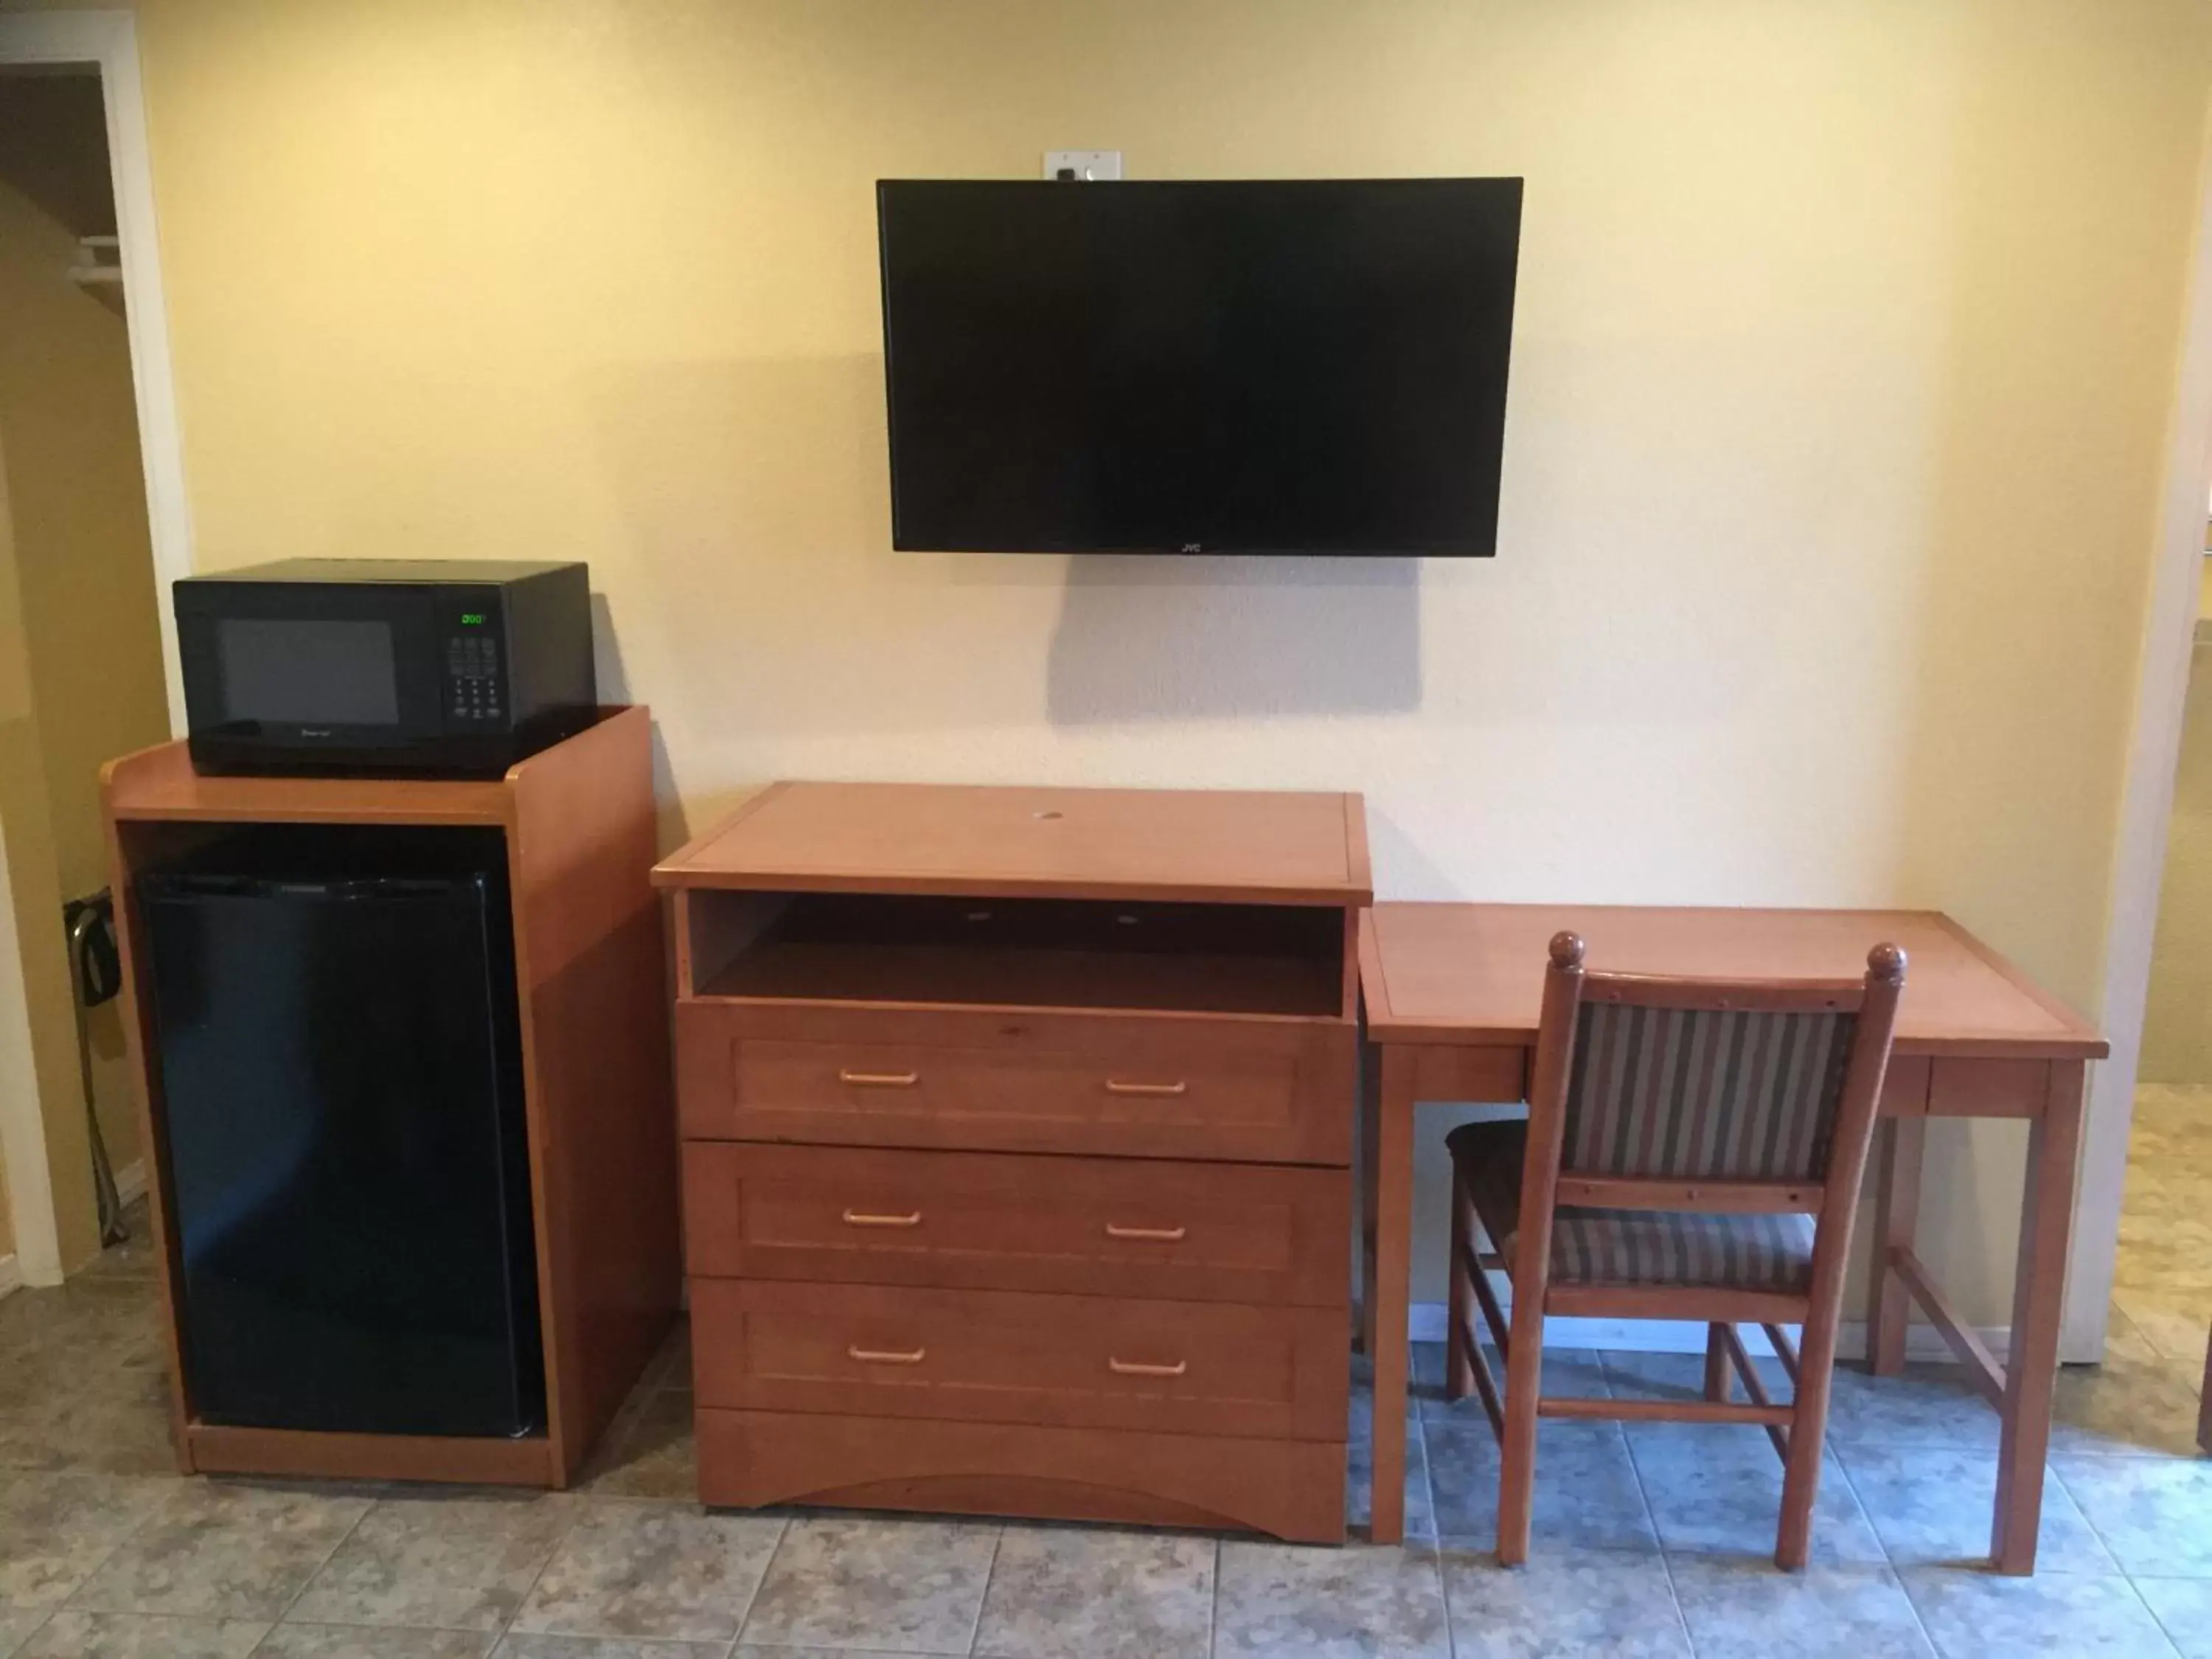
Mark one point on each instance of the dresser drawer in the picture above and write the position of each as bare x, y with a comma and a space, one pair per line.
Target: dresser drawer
1146, 1086
1007, 1357
1214, 1232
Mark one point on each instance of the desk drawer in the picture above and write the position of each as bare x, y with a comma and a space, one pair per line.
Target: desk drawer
1003, 1357
1267, 1090
1214, 1232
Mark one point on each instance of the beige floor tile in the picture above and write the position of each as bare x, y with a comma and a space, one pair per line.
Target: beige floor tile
217, 1550
455, 1563
636, 1569
139, 1636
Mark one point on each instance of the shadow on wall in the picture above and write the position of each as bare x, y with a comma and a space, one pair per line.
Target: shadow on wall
754, 498
1172, 638
754, 511
672, 825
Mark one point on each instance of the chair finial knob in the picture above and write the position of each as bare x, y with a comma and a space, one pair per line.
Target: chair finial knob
1567, 950
1886, 963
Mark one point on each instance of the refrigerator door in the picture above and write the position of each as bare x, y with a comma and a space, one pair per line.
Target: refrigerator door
350, 1186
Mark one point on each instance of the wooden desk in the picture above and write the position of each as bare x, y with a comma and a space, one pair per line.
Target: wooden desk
1451, 994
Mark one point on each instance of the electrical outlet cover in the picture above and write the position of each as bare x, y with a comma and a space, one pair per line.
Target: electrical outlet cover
1092, 166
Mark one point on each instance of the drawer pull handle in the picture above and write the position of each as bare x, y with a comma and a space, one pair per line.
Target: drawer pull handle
862, 1219
1161, 1234
1114, 1085
886, 1356
880, 1079
1132, 1368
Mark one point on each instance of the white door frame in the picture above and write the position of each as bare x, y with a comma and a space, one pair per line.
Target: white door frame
107, 41
2147, 807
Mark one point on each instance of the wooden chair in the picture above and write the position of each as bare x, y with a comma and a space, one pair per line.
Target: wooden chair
1693, 1150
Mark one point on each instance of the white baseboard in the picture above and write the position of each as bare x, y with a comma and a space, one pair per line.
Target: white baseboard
1426, 1324
131, 1181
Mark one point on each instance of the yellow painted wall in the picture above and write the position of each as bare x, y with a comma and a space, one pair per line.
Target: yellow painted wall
1844, 349
84, 568
42, 1109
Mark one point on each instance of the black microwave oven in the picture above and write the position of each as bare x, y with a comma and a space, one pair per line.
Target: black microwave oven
404, 667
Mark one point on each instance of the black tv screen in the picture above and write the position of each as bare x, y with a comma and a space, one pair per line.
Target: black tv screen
1281, 366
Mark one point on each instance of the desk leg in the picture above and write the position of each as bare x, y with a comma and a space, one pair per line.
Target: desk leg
1896, 1218
2031, 1369
1394, 1230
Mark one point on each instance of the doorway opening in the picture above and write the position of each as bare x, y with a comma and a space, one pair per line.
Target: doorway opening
84, 672
2161, 1303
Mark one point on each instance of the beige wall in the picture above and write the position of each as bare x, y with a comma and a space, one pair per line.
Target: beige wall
1843, 358
84, 568
42, 1126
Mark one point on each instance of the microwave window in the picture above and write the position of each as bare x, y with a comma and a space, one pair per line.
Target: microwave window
307, 672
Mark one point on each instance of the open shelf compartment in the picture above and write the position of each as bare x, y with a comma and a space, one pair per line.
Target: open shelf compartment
1279, 960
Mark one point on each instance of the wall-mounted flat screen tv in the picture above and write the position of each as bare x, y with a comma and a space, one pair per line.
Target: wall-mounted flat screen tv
1312, 366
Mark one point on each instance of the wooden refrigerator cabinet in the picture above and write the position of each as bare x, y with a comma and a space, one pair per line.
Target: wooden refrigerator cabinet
1017, 1130
577, 821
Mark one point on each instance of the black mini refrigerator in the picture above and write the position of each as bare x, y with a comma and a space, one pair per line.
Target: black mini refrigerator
342, 1098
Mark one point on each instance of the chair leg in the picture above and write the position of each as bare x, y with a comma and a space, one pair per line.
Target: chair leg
1516, 1475
1808, 1439
1719, 1384
1459, 1333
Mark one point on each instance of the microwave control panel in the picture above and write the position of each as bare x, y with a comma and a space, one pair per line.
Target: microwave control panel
475, 681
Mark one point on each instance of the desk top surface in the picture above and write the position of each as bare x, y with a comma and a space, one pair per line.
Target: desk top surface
1190, 845
1471, 973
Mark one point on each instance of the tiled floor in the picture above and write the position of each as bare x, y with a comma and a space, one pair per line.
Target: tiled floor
2162, 1287
1650, 1540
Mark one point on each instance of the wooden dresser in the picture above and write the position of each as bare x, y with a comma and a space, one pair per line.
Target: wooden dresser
1017, 1139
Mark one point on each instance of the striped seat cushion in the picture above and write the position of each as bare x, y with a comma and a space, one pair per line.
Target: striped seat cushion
1631, 1247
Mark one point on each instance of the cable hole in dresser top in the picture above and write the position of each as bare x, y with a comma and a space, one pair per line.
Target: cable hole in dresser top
1282, 960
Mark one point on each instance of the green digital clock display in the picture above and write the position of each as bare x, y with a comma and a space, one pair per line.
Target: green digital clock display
472, 619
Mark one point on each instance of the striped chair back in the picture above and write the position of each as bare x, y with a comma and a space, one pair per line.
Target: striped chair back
1675, 1093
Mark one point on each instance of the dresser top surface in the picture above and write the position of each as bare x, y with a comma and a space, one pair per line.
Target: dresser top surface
1197, 845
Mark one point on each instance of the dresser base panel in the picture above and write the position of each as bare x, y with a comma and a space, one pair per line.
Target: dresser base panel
1291, 1489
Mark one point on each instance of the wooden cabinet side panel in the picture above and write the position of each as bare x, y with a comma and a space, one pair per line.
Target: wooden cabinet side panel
591, 970
127, 848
